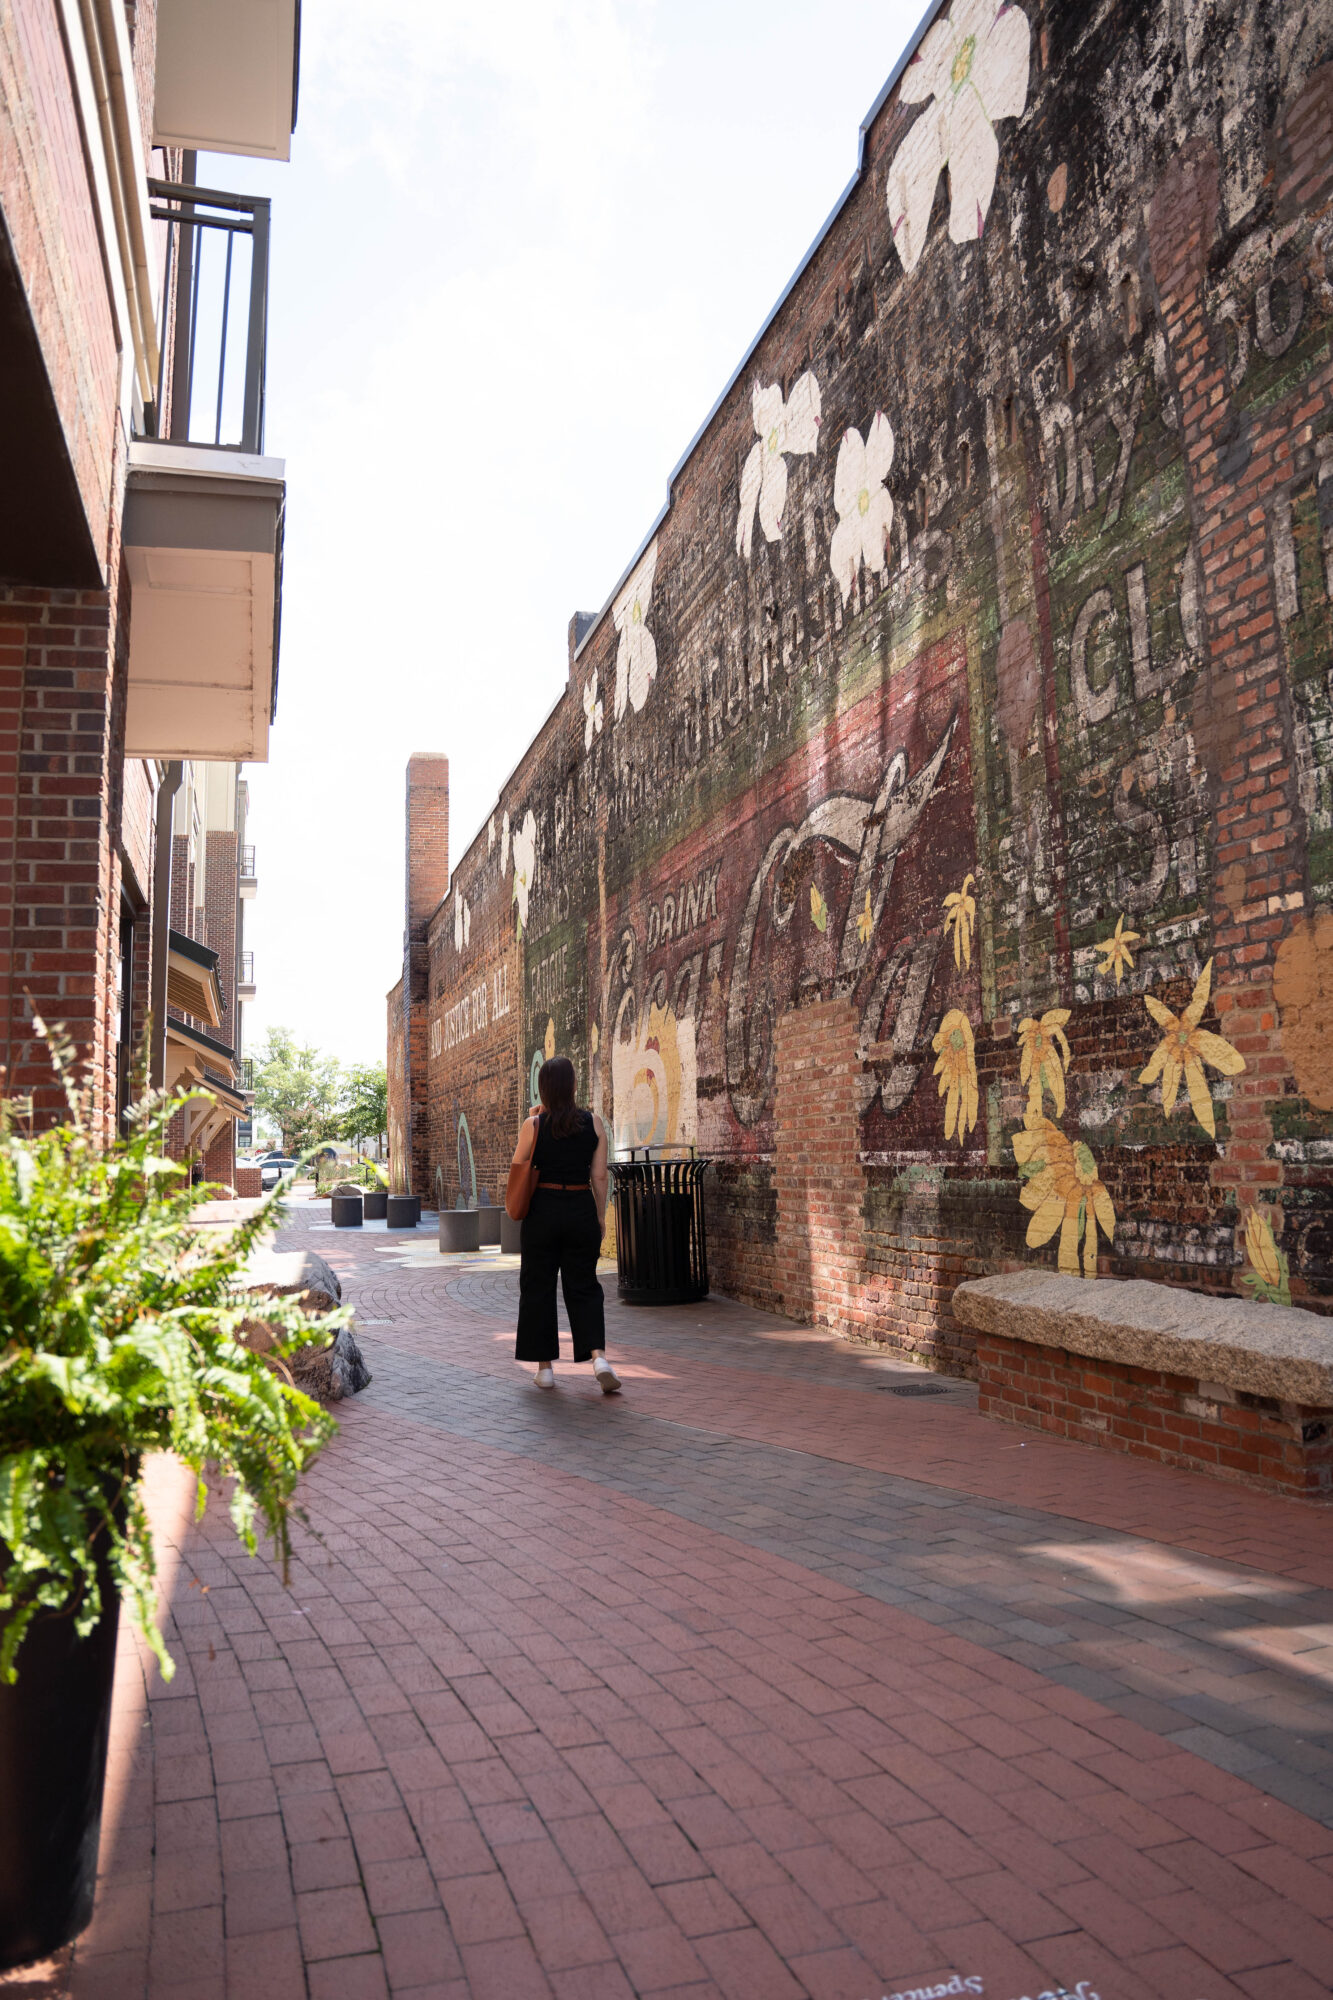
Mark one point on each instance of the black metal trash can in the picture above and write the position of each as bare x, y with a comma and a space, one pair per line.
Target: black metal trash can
661, 1251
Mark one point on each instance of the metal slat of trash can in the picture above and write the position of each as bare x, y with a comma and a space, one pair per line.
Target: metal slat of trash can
661, 1251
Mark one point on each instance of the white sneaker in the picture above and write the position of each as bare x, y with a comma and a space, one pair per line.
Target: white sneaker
606, 1375
545, 1376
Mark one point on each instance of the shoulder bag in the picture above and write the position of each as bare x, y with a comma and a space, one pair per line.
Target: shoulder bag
523, 1178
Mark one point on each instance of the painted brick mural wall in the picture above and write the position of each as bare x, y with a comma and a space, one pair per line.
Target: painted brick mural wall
962, 737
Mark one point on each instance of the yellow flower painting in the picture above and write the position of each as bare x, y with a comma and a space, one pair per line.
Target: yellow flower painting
818, 908
1045, 1057
956, 1069
549, 1044
1062, 1188
865, 923
1269, 1275
960, 916
1117, 956
1184, 1049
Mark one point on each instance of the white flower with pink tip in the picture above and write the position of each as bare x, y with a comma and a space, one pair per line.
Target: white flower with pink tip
973, 65
792, 426
865, 510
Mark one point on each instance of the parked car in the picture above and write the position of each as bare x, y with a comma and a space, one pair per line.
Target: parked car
277, 1167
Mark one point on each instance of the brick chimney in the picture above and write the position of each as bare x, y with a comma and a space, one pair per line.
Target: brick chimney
427, 881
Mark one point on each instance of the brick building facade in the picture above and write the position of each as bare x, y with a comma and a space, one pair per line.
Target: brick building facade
140, 550
936, 827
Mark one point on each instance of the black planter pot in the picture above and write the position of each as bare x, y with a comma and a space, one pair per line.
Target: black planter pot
54, 1724
346, 1211
403, 1211
376, 1204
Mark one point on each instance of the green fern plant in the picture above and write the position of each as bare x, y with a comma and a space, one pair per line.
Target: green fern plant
120, 1334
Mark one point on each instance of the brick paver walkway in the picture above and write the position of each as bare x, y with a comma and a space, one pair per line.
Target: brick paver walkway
756, 1682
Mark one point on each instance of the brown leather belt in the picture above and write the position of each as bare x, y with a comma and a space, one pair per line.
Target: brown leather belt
567, 1187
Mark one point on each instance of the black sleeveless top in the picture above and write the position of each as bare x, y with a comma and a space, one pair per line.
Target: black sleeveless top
567, 1160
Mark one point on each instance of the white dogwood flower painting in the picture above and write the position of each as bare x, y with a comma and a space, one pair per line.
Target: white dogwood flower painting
792, 426
592, 712
973, 65
636, 656
462, 922
865, 510
525, 862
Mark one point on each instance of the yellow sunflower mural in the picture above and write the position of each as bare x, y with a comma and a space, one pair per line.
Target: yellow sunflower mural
961, 908
1062, 1188
956, 1069
1184, 1049
1045, 1057
1116, 951
1269, 1275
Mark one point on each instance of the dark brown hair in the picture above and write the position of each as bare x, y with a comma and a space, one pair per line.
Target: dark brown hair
555, 1087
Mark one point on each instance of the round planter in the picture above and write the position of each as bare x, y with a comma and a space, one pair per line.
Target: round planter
375, 1204
346, 1211
488, 1222
511, 1235
403, 1211
54, 1724
459, 1230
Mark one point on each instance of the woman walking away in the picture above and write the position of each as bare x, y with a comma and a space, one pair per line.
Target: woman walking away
562, 1230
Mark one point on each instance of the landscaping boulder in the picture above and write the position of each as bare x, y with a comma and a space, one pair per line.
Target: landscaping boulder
326, 1373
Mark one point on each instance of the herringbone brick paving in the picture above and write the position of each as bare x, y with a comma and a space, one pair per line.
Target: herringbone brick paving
577, 1696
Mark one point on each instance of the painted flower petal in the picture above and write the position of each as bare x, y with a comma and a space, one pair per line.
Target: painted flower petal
911, 184
974, 156
876, 525
1217, 1052
1194, 1013
845, 554
1104, 1208
975, 18
1170, 1082
1162, 1015
1000, 65
803, 409
1068, 1257
622, 675
1201, 1098
751, 480
766, 405
850, 477
1045, 1222
928, 72
1055, 1081
642, 664
879, 449
969, 1101
772, 495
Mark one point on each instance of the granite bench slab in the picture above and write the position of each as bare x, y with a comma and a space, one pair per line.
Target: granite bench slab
1264, 1350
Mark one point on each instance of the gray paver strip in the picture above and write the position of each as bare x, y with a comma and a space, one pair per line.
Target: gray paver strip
1035, 1587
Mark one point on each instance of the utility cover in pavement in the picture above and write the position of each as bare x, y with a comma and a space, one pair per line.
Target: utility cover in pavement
913, 1388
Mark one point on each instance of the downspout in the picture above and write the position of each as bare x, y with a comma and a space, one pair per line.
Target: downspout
157, 983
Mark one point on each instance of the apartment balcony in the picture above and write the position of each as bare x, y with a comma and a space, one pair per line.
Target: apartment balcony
245, 978
204, 506
249, 880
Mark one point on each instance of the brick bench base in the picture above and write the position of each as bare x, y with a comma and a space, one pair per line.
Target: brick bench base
1203, 1426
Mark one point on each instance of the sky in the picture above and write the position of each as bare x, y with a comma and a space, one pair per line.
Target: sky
517, 254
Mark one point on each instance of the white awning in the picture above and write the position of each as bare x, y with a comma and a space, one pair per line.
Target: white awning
203, 547
226, 76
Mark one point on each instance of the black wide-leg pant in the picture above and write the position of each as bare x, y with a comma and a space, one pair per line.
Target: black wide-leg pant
561, 1234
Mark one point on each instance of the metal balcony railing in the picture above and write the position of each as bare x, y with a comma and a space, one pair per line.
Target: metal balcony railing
214, 345
247, 1072
247, 969
248, 864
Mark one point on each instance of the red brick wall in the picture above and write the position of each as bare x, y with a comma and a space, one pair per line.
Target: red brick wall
63, 890
1085, 681
52, 224
1173, 1419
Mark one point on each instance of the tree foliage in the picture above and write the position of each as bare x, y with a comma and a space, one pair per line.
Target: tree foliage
120, 1325
299, 1089
365, 1112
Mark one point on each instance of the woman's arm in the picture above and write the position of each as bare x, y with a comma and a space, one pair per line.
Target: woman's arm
527, 1139
598, 1174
